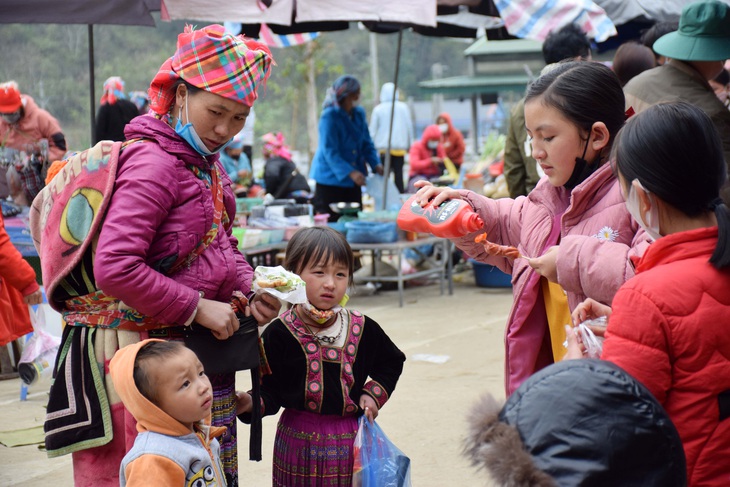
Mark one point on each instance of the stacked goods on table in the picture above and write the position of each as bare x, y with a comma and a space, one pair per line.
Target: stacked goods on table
269, 224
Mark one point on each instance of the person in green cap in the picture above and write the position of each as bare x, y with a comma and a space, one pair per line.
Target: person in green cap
696, 52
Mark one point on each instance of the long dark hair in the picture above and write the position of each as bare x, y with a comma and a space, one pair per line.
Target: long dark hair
315, 245
674, 150
584, 92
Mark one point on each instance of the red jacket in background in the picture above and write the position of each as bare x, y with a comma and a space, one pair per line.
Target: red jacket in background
670, 329
420, 155
453, 141
17, 279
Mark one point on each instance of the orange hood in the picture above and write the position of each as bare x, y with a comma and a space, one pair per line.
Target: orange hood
149, 417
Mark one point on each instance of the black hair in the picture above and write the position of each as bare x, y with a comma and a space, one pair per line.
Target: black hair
152, 350
315, 245
675, 151
568, 42
649, 37
723, 78
585, 92
630, 59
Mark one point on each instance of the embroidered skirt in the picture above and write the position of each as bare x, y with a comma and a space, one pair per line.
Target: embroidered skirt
313, 450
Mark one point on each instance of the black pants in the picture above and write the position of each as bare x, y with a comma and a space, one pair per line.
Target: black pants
325, 194
396, 167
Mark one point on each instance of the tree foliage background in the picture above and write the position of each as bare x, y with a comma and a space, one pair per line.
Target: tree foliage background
50, 63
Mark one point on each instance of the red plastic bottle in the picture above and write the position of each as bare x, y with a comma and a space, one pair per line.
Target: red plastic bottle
451, 219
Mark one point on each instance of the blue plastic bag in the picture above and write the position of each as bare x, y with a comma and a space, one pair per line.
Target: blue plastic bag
378, 462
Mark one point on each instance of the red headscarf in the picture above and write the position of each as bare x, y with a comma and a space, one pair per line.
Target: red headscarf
113, 89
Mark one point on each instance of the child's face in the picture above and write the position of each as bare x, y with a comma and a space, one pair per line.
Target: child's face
183, 390
556, 141
326, 283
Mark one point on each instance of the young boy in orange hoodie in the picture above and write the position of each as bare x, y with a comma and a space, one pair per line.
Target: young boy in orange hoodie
163, 385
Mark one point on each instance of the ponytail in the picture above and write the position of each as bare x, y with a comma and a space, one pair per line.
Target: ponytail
721, 257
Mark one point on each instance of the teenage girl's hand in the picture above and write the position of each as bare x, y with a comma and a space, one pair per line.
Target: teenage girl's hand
379, 169
546, 265
244, 402
264, 307
218, 317
370, 407
34, 298
428, 191
358, 178
575, 347
590, 309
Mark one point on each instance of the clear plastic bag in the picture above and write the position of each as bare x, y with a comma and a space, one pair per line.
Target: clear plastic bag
292, 289
378, 462
374, 186
593, 343
39, 352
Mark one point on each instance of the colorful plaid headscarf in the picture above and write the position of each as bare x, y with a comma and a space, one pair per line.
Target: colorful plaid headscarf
113, 90
215, 61
274, 145
343, 86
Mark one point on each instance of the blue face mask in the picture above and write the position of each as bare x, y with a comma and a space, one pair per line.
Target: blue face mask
189, 135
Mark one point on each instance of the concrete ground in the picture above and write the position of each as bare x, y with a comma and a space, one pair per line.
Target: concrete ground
425, 418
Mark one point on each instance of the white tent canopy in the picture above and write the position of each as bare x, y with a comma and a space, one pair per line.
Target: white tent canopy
282, 12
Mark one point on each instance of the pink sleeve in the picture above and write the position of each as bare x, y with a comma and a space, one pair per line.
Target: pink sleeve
595, 268
502, 222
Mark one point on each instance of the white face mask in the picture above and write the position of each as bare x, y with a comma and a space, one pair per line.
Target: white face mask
444, 127
650, 224
432, 144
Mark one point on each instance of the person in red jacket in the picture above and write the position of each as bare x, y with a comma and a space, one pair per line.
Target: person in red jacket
668, 325
426, 157
18, 289
451, 138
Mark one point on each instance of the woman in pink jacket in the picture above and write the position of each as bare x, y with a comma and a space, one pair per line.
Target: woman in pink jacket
669, 324
165, 255
574, 225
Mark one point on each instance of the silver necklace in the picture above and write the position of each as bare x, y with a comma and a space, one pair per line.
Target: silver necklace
326, 338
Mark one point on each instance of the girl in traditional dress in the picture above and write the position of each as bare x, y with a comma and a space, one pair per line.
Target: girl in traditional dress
328, 366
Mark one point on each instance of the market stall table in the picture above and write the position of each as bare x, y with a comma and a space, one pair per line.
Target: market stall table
439, 260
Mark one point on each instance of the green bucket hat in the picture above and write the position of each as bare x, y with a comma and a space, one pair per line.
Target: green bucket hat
703, 35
